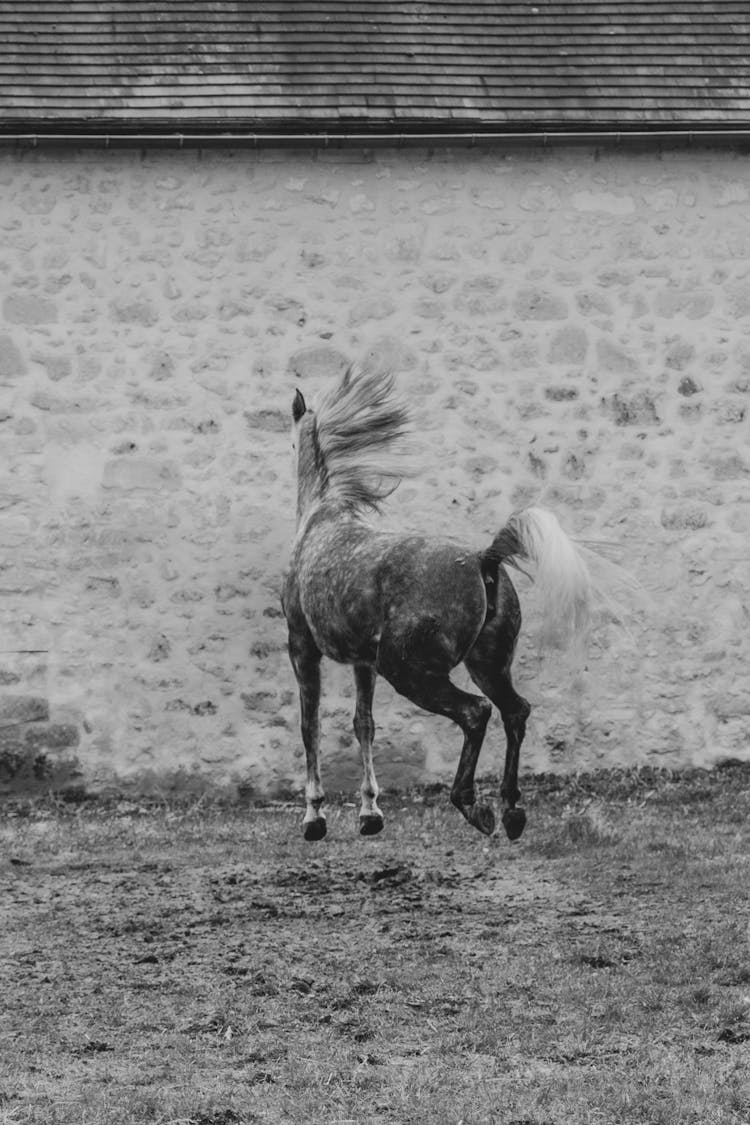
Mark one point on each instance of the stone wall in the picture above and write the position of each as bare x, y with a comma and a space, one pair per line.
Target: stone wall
572, 327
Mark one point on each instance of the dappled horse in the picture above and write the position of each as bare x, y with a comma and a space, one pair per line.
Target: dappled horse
408, 607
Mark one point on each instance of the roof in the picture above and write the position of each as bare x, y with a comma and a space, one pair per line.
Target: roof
270, 65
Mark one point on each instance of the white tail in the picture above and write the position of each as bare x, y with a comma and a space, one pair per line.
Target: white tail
559, 572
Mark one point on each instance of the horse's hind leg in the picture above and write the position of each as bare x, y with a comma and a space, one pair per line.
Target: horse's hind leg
305, 657
489, 665
425, 684
370, 816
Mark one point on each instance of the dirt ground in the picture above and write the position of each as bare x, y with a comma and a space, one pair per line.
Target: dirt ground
203, 965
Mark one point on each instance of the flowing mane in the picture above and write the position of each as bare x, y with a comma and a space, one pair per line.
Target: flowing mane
360, 425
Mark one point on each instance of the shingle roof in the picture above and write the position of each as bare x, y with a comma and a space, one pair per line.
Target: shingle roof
328, 64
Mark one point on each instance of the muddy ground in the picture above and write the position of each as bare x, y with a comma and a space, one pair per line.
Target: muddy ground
204, 965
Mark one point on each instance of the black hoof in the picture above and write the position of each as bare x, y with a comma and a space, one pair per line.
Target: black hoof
514, 822
483, 819
315, 829
370, 825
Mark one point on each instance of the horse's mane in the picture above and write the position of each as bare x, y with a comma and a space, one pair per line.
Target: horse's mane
359, 427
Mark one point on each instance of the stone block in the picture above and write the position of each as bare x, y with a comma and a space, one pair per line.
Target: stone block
685, 517
568, 345
274, 421
161, 366
688, 386
317, 362
690, 411
690, 303
390, 354
481, 295
377, 307
27, 769
606, 202
361, 204
591, 302
287, 309
428, 308
18, 709
28, 309
732, 192
730, 467
730, 411
614, 359
160, 649
11, 361
61, 404
439, 282
140, 473
266, 701
634, 410
489, 199
573, 467
538, 304
108, 586
405, 246
540, 198
52, 736
738, 300
438, 205
730, 705
560, 394
141, 311
680, 353
57, 366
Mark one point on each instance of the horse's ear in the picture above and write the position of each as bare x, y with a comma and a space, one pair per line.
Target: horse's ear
299, 406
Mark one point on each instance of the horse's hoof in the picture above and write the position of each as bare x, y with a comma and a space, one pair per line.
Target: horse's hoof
315, 829
514, 822
370, 824
483, 819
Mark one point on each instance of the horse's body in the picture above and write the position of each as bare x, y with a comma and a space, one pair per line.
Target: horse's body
407, 607
359, 588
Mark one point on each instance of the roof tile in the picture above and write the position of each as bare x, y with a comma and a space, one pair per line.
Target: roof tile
329, 63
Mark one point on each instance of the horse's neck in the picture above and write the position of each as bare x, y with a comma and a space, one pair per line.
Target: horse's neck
322, 511
310, 495
311, 481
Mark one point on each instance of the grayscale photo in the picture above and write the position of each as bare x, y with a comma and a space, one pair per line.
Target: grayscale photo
375, 562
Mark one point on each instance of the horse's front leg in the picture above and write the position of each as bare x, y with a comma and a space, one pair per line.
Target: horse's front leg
305, 657
370, 816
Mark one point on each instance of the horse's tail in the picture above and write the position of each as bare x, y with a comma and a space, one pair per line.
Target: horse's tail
558, 569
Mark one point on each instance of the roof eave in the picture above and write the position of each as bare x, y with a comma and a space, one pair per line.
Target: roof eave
186, 131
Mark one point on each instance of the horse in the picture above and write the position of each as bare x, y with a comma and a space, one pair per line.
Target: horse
409, 607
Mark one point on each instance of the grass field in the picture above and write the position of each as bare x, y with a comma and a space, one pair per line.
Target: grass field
203, 965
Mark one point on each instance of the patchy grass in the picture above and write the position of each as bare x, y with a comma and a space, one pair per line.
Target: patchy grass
202, 965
